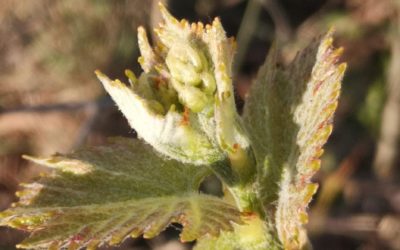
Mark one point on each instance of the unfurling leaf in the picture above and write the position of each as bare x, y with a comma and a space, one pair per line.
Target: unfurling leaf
183, 102
289, 116
102, 195
170, 133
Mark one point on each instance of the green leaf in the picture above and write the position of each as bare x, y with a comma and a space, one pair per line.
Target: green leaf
102, 195
289, 118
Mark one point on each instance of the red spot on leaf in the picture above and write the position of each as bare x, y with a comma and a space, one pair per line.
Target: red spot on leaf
185, 120
249, 215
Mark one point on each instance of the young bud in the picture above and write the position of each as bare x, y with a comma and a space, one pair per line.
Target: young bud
190, 96
182, 71
186, 53
131, 77
208, 83
187, 87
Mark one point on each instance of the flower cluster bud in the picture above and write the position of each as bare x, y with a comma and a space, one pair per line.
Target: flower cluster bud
182, 104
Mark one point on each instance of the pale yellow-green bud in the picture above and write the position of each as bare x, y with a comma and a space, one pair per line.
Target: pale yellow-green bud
208, 83
186, 53
131, 77
190, 96
182, 71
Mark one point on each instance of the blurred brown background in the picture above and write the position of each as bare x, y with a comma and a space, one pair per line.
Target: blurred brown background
51, 101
